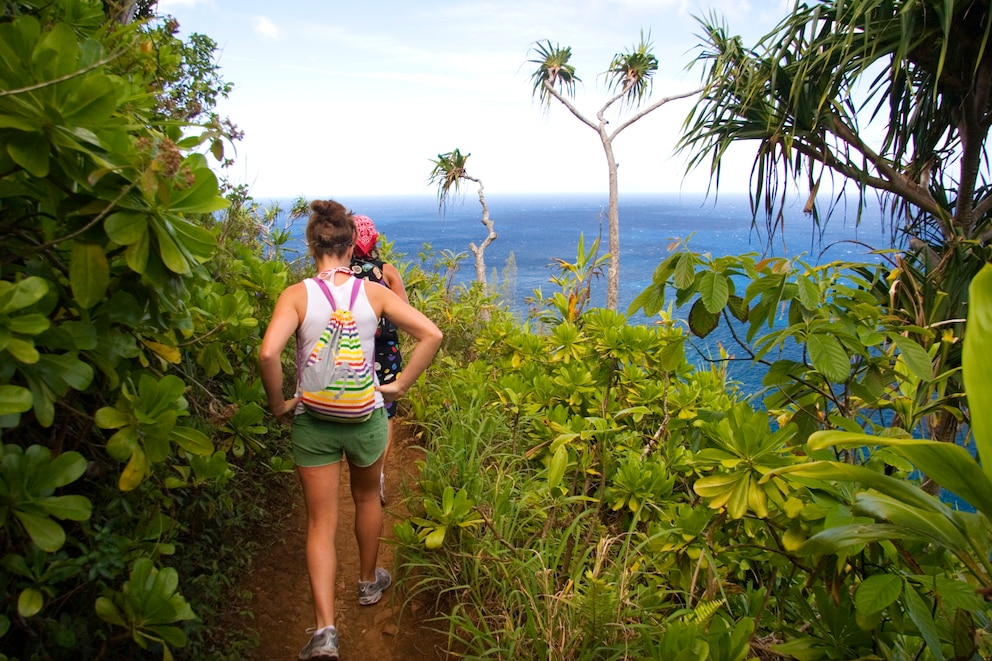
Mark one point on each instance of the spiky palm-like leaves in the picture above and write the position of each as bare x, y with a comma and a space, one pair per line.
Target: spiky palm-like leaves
553, 69
630, 73
920, 67
447, 175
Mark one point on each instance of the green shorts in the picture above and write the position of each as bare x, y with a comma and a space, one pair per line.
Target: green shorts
319, 442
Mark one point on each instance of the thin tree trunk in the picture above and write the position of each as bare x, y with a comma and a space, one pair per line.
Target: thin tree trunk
480, 250
613, 271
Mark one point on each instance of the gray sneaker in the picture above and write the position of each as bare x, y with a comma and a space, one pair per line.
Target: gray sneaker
370, 592
323, 645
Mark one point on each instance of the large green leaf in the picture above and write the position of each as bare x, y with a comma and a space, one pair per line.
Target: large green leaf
714, 291
203, 196
47, 534
15, 399
89, 273
701, 321
828, 357
977, 364
841, 472
877, 593
192, 440
18, 296
124, 228
915, 357
30, 151
950, 465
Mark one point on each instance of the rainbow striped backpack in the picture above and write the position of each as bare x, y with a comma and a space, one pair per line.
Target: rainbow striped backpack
336, 382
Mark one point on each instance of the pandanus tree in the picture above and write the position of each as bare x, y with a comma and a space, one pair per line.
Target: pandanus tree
629, 81
890, 98
448, 174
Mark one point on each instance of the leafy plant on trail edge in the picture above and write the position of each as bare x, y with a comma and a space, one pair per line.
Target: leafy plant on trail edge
133, 453
587, 493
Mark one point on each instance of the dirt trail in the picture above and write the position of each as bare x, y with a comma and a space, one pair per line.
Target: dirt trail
282, 603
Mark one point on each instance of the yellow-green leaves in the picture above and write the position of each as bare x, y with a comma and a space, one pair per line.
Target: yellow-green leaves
145, 420
89, 273
454, 510
977, 364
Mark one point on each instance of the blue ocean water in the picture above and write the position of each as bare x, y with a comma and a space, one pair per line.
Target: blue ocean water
540, 228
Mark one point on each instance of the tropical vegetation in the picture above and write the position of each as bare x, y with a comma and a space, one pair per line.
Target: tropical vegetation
133, 445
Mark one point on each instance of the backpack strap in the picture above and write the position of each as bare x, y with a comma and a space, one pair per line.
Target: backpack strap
356, 285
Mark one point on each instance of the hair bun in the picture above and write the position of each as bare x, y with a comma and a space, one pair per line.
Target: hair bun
327, 207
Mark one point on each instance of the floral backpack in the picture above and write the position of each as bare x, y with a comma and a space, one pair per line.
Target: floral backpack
336, 381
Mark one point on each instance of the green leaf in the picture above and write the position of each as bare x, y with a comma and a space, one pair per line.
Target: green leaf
109, 417
27, 292
202, 197
685, 271
124, 228
436, 537
808, 293
73, 507
556, 467
23, 351
47, 534
949, 464
919, 613
170, 252
877, 593
64, 469
89, 273
714, 291
702, 322
977, 364
828, 357
30, 151
915, 356
192, 440
29, 324
15, 399
738, 307
108, 612
30, 602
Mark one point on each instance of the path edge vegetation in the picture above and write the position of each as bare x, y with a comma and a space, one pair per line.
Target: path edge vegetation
589, 492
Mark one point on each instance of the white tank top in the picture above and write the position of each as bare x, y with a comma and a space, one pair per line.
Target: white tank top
319, 311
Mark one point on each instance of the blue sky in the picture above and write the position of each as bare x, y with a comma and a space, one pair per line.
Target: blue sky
356, 98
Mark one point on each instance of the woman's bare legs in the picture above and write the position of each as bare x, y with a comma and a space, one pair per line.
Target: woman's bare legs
320, 493
368, 515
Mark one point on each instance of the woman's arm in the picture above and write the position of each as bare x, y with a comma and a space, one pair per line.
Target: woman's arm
394, 281
285, 320
411, 321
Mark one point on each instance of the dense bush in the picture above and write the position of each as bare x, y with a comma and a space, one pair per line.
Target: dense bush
587, 494
134, 451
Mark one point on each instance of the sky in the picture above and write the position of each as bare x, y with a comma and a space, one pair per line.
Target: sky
357, 98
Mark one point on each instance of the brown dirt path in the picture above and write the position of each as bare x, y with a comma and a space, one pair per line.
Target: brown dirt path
282, 604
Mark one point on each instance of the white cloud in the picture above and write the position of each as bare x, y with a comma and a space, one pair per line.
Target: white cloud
266, 28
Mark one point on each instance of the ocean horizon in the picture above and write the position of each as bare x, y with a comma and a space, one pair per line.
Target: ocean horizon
540, 228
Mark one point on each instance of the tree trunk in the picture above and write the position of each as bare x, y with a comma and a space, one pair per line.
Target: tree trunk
613, 272
480, 250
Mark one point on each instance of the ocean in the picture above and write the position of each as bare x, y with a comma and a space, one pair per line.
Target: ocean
540, 228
